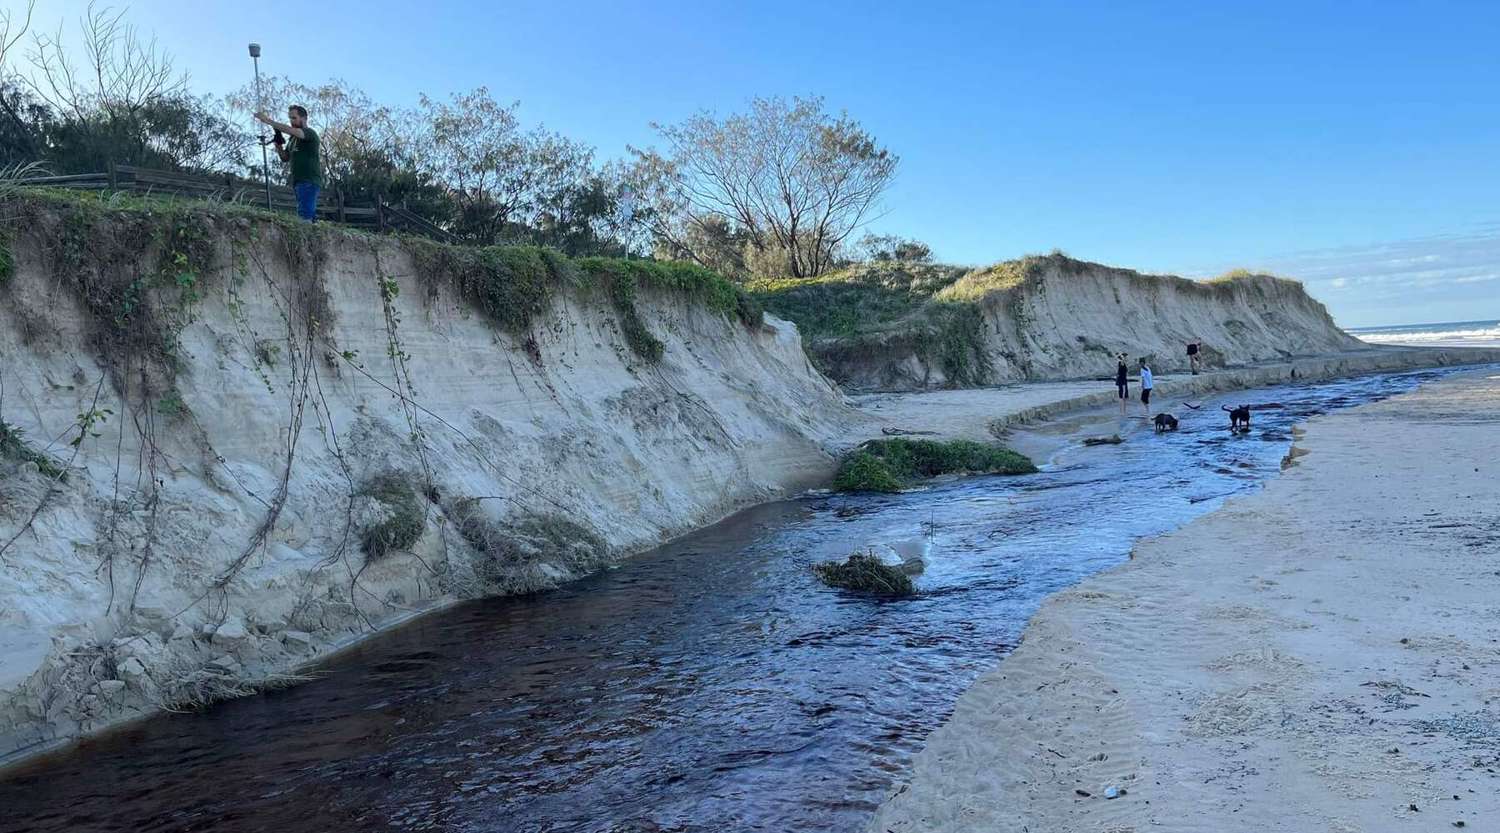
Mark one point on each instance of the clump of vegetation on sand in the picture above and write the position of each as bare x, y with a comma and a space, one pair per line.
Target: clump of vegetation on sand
865, 573
13, 446
889, 465
405, 519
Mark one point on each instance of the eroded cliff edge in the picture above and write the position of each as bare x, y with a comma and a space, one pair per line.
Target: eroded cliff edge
237, 443
889, 326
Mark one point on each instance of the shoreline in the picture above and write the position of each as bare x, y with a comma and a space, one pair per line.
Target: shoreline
1318, 655
973, 417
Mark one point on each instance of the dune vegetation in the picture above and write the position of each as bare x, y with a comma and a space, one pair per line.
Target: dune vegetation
891, 465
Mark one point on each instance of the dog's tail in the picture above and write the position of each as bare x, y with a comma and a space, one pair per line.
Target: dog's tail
1227, 408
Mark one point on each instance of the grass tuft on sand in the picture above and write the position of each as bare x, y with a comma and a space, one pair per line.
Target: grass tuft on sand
13, 446
405, 519
890, 465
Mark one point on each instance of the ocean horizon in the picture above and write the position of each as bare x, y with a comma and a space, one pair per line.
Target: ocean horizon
1481, 333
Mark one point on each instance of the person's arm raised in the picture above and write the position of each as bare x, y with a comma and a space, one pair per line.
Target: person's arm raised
276, 125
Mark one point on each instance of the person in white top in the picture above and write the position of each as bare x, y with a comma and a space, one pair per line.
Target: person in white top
1146, 383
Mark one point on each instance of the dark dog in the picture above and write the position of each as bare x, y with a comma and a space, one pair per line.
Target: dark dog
1165, 422
1239, 418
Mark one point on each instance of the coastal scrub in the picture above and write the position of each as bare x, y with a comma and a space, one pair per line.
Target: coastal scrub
890, 465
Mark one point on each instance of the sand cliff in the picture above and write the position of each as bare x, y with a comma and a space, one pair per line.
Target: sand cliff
1043, 318
300, 438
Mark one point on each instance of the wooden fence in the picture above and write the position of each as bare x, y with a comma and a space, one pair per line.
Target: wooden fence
332, 206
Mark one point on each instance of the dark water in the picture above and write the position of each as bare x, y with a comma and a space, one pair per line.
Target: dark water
711, 685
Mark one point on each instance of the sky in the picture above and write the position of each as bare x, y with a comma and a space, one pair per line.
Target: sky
1355, 146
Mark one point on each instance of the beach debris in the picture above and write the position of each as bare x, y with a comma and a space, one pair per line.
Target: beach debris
1111, 440
1478, 727
1084, 793
866, 572
1413, 808
1114, 792
904, 432
1099, 757
1459, 823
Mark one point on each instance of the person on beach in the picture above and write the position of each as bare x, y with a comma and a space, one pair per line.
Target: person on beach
1146, 384
302, 153
1192, 351
1122, 383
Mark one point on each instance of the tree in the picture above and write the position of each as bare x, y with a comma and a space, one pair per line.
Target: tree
352, 128
893, 248
509, 184
123, 103
176, 133
121, 74
17, 145
793, 179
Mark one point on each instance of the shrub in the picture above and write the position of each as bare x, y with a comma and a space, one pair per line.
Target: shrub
865, 472
405, 521
865, 573
887, 465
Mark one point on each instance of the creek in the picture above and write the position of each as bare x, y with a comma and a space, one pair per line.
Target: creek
709, 685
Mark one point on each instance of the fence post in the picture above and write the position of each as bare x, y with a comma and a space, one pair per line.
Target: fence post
379, 213
114, 181
341, 205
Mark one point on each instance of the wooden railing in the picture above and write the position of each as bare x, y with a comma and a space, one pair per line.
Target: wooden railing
332, 206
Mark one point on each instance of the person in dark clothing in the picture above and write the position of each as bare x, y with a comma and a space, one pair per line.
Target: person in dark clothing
1122, 383
1193, 357
302, 152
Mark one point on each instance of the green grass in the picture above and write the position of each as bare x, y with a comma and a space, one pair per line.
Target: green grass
404, 522
13, 446
7, 261
865, 573
890, 465
99, 241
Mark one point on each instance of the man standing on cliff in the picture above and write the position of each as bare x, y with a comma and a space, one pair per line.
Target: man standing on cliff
302, 153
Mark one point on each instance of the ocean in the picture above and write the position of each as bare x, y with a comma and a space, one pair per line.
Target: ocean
1451, 334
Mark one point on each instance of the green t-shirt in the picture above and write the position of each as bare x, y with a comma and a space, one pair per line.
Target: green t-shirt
304, 156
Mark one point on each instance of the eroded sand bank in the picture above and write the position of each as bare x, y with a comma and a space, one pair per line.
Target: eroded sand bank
1321, 655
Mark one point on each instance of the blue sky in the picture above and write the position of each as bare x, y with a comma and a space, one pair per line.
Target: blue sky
1356, 146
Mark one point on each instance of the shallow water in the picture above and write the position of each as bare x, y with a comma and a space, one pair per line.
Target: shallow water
710, 685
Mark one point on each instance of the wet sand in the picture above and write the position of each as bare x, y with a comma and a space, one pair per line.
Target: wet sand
1322, 655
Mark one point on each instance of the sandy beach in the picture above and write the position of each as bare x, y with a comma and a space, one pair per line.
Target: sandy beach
1323, 655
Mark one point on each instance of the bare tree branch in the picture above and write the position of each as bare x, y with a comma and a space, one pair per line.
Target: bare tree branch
791, 180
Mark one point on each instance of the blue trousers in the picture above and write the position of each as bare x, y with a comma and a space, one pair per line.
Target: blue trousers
307, 200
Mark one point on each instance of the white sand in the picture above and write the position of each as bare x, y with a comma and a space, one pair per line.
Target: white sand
1319, 656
